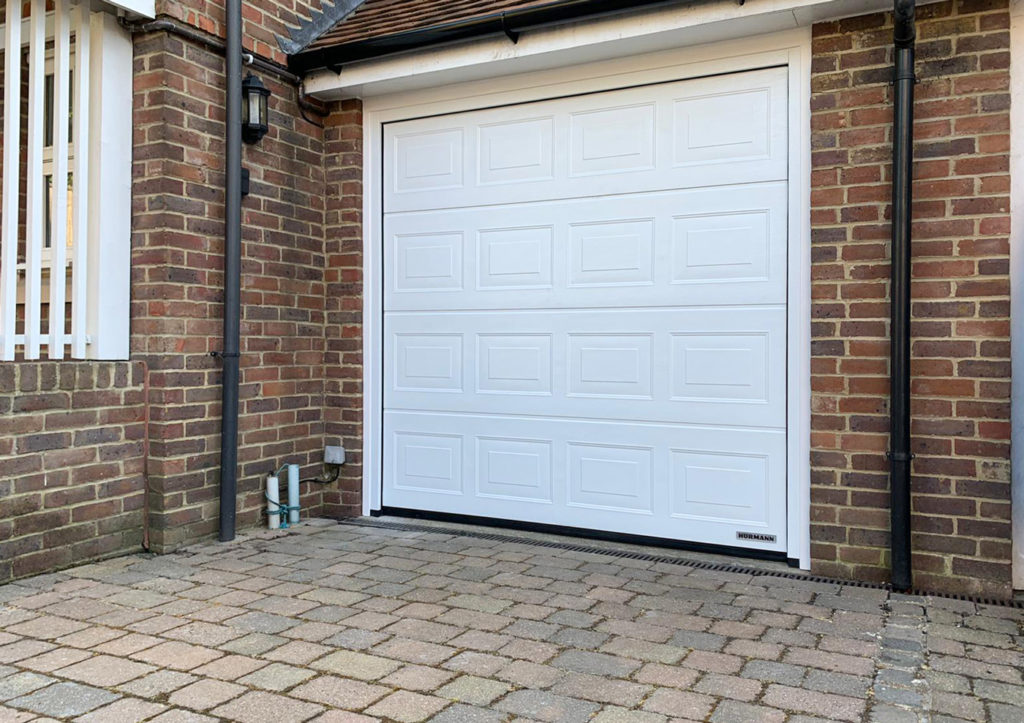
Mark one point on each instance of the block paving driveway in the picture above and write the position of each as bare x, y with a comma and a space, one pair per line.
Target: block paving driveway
348, 622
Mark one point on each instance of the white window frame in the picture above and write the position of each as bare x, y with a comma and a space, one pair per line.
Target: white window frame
48, 169
791, 48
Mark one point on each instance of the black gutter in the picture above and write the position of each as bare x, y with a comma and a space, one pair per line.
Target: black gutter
899, 333
509, 22
232, 269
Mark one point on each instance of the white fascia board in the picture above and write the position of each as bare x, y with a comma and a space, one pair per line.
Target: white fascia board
583, 41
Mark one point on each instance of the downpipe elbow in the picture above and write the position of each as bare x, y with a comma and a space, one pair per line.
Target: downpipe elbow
904, 31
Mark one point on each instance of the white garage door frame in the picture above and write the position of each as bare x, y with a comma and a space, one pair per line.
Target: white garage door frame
790, 49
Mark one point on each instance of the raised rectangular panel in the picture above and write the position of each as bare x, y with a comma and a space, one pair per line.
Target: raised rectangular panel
616, 253
514, 363
724, 247
727, 366
428, 362
516, 151
428, 160
612, 140
726, 487
514, 469
515, 258
428, 262
428, 462
602, 365
722, 127
610, 477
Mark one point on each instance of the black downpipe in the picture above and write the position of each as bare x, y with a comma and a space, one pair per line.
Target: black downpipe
232, 270
899, 334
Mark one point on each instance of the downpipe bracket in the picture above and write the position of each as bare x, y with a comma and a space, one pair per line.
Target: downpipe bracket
511, 34
900, 456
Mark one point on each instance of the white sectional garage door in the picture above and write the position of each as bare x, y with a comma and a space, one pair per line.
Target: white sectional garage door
585, 311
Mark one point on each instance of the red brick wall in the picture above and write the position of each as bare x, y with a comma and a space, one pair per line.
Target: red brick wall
71, 455
177, 288
177, 295
262, 21
343, 246
960, 309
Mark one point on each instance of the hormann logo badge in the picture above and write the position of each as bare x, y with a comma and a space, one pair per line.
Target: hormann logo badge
755, 536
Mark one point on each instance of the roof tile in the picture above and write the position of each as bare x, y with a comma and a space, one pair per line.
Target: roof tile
376, 18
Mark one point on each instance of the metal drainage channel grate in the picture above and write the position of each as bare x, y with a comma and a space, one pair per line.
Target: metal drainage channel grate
669, 560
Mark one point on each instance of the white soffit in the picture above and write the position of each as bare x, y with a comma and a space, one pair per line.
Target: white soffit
583, 41
145, 8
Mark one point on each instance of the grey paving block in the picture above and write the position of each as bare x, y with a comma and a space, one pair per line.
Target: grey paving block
461, 713
698, 640
582, 661
882, 713
543, 706
19, 684
65, 700
769, 671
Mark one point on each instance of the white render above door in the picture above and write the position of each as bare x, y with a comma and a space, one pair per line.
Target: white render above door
585, 311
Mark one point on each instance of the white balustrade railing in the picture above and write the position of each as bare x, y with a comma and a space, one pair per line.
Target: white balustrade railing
66, 183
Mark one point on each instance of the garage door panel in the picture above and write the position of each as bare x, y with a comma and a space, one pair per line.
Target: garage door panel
672, 481
725, 486
428, 362
513, 469
515, 364
516, 151
610, 366
709, 131
614, 477
712, 365
585, 311
428, 262
514, 258
682, 248
724, 127
430, 160
728, 366
427, 463
612, 140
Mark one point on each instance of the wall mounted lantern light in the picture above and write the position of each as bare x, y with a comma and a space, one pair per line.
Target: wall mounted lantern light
254, 109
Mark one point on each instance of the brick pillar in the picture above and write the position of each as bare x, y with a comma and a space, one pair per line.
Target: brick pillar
343, 161
960, 310
177, 289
